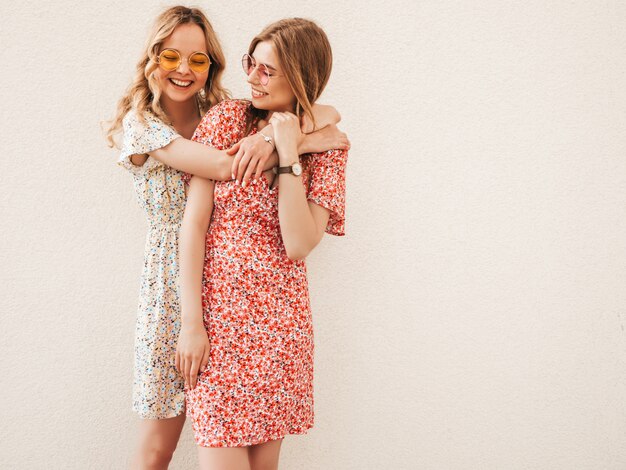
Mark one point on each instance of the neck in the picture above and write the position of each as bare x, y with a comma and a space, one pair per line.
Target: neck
287, 108
180, 113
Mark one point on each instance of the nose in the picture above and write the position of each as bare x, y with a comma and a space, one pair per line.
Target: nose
253, 77
183, 67
251, 80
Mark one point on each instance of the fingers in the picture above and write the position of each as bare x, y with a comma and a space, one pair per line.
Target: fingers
344, 141
205, 360
183, 370
234, 149
194, 366
281, 117
241, 168
250, 158
338, 139
259, 170
277, 117
193, 372
233, 169
189, 370
248, 174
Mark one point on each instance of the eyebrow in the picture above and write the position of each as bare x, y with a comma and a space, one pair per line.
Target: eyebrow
267, 65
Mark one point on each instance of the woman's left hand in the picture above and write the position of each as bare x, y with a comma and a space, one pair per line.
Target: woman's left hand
192, 353
287, 133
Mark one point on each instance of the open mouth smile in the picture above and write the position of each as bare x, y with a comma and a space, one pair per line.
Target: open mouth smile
181, 83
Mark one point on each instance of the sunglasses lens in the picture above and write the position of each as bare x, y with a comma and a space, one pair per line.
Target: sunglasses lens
169, 59
264, 75
247, 64
199, 62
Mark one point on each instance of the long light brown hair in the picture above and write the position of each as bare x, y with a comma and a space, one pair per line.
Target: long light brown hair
144, 93
306, 60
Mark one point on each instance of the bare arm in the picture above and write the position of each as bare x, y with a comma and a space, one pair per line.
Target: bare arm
195, 158
192, 352
180, 153
204, 161
302, 223
324, 115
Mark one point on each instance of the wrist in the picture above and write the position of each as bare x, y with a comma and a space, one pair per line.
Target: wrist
192, 325
288, 154
294, 169
268, 138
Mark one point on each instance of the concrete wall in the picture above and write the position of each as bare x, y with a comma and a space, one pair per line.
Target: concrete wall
473, 318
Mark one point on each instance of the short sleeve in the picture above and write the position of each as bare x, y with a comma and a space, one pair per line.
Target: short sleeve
222, 126
143, 137
327, 186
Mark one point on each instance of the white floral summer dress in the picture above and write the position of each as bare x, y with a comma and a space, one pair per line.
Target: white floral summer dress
158, 390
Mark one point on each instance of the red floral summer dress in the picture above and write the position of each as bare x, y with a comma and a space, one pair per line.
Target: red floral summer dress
259, 383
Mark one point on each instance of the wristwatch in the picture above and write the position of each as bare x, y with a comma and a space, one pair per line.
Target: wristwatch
295, 169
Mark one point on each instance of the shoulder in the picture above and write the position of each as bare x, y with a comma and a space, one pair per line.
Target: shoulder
135, 120
224, 124
226, 113
229, 108
143, 133
130, 118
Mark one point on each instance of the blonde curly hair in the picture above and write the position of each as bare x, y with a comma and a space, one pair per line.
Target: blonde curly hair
144, 93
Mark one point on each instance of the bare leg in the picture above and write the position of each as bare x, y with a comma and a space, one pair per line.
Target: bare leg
223, 458
157, 442
265, 456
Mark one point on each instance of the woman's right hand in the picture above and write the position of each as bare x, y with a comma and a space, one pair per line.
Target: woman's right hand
192, 353
252, 155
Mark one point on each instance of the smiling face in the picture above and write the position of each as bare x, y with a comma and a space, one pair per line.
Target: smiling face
182, 84
277, 95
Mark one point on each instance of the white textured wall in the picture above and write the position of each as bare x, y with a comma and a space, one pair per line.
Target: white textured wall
474, 316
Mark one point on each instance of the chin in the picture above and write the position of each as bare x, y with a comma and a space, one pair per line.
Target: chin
178, 95
258, 104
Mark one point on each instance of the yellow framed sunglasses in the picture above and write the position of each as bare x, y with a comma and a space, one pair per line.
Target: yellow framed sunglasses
170, 59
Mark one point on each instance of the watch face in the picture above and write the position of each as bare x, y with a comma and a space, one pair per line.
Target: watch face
297, 169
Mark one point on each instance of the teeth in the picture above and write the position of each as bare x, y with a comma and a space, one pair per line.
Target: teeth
258, 93
180, 83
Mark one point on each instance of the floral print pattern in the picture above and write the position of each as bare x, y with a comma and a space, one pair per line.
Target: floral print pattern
158, 389
258, 385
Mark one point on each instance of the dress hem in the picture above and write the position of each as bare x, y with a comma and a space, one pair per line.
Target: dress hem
174, 414
253, 442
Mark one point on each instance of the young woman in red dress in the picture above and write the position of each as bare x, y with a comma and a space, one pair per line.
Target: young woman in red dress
246, 341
